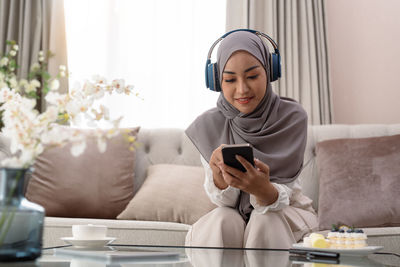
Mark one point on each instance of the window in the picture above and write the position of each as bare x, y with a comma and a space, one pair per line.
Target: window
159, 46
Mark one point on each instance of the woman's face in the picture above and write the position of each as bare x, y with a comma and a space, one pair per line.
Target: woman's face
244, 81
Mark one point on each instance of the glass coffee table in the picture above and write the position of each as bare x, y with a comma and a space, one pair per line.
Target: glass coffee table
136, 255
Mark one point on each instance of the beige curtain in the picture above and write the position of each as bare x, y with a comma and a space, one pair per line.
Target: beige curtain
298, 26
35, 25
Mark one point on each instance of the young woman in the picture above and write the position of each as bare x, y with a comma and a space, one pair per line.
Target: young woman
262, 207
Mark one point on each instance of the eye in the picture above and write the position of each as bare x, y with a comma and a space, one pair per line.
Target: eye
230, 80
252, 77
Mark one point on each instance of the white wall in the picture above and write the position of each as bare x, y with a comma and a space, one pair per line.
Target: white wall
364, 54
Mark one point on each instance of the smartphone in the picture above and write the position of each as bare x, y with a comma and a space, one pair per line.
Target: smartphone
230, 151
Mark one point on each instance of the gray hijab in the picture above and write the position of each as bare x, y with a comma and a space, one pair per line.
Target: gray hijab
277, 128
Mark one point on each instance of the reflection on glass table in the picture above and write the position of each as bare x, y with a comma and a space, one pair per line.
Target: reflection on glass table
198, 257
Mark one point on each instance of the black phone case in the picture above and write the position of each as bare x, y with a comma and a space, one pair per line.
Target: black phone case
230, 151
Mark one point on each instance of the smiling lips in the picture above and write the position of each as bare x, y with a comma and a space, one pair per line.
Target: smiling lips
243, 100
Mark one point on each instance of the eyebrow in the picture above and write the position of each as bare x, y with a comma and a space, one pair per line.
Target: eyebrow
247, 70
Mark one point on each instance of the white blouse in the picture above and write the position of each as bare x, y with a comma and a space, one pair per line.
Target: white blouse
228, 196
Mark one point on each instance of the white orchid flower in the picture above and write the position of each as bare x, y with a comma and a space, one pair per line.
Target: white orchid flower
35, 83
23, 82
13, 82
4, 92
31, 132
27, 156
13, 162
35, 66
55, 136
78, 148
14, 145
99, 79
76, 119
3, 84
77, 106
128, 89
99, 92
50, 115
53, 98
3, 62
105, 111
59, 100
118, 85
62, 70
29, 88
101, 144
88, 88
29, 105
54, 84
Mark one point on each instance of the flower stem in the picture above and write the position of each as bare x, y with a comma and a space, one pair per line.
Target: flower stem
5, 217
7, 228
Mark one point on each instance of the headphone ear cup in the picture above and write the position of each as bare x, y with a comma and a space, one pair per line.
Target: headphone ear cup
275, 66
212, 81
217, 85
208, 63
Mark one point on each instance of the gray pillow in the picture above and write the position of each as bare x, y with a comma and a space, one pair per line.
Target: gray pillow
93, 185
359, 182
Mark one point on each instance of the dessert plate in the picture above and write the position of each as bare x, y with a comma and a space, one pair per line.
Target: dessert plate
88, 243
349, 251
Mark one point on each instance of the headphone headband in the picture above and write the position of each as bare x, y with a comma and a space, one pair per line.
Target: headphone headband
274, 44
212, 80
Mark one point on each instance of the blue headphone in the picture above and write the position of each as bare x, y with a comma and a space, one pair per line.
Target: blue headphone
212, 80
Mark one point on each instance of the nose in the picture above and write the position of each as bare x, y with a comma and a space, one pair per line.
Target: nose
242, 87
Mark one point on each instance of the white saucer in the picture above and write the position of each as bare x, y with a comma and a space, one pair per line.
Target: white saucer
88, 243
364, 251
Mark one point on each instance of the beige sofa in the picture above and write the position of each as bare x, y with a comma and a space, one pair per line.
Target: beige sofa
173, 147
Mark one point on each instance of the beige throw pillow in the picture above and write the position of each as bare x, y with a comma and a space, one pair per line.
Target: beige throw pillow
170, 193
93, 185
359, 182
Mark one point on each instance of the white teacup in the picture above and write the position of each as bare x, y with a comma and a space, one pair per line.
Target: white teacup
89, 232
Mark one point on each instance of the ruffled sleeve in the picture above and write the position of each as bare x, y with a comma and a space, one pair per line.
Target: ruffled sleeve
284, 194
222, 198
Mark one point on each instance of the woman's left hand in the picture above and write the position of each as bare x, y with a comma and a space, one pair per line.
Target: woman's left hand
254, 181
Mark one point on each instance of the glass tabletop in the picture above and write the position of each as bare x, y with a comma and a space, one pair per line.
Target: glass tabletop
129, 255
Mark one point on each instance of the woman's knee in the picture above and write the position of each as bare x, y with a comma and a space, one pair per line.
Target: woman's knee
222, 226
269, 230
227, 221
226, 216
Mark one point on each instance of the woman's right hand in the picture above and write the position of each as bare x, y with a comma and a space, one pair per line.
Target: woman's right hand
215, 161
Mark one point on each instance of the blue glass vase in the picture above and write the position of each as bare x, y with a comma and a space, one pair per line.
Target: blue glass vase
21, 221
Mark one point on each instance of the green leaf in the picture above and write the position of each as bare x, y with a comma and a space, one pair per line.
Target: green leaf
50, 54
10, 42
46, 75
46, 89
13, 64
33, 95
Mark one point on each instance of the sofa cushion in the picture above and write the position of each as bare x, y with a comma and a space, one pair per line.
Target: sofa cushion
316, 133
359, 181
93, 185
170, 193
125, 231
163, 146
